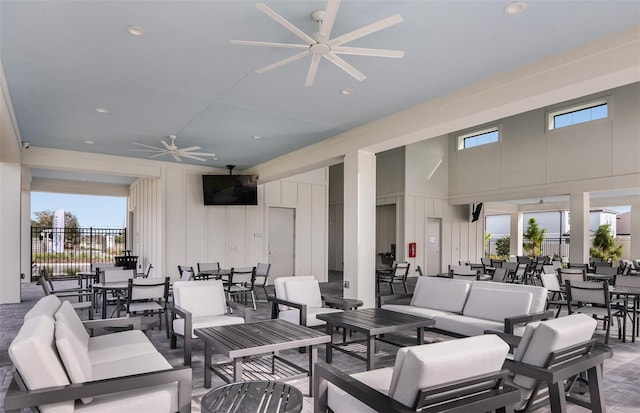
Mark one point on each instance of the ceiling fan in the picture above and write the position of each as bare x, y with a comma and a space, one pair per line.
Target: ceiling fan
173, 150
319, 44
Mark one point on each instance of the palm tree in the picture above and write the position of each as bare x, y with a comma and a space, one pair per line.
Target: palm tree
604, 244
535, 235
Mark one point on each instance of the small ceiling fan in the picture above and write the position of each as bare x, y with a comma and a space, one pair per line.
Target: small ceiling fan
173, 150
319, 44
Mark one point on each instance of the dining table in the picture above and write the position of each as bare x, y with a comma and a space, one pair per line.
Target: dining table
630, 295
102, 289
219, 274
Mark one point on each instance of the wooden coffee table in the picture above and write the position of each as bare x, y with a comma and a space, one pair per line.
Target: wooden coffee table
372, 322
240, 342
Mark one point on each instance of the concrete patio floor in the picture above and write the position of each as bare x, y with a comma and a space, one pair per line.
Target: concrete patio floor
621, 373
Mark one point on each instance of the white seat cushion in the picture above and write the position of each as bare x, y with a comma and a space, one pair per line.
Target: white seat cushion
293, 316
74, 355
413, 310
538, 294
116, 346
304, 291
339, 401
130, 365
441, 294
279, 287
205, 321
465, 325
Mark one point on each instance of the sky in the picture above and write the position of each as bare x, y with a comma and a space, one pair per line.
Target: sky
91, 211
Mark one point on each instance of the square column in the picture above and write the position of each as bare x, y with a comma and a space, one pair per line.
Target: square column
580, 206
515, 233
360, 227
10, 235
634, 248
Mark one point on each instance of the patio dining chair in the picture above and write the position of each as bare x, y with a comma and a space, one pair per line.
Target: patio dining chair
262, 275
240, 284
398, 274
148, 297
593, 298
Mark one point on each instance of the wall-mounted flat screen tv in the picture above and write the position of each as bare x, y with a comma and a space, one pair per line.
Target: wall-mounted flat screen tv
230, 189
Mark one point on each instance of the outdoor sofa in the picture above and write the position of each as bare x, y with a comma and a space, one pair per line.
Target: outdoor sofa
60, 368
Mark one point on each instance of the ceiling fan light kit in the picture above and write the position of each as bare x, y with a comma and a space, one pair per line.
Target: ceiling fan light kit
319, 44
174, 151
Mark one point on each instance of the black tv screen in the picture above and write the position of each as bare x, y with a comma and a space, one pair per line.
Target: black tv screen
230, 189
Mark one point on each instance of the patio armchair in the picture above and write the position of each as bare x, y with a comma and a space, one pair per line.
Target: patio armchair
201, 304
297, 299
464, 375
548, 360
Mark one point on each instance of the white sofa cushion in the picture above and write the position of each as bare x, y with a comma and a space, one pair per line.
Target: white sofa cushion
74, 355
130, 365
552, 335
279, 287
441, 293
293, 315
205, 321
465, 325
538, 294
339, 401
47, 305
496, 305
200, 298
413, 310
68, 315
439, 363
33, 354
116, 346
304, 291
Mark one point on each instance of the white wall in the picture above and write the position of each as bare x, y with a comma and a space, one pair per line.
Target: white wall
170, 217
530, 161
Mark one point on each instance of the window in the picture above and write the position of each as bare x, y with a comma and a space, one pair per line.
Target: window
578, 114
478, 137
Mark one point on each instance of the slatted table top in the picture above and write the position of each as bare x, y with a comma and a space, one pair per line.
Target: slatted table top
249, 339
375, 321
253, 396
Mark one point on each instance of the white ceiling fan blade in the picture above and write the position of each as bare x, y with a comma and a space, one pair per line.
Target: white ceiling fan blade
190, 156
338, 61
190, 148
197, 153
285, 23
283, 62
166, 145
363, 51
329, 18
159, 154
313, 69
270, 44
176, 157
363, 31
147, 146
149, 150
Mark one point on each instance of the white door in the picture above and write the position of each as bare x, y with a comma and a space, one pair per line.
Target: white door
281, 242
434, 255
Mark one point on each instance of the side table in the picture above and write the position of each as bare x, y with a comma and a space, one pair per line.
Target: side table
260, 396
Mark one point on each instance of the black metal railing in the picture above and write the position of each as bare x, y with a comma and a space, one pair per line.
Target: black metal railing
552, 247
64, 252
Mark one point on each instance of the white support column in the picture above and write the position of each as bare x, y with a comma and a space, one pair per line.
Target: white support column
634, 248
360, 226
515, 237
10, 222
579, 205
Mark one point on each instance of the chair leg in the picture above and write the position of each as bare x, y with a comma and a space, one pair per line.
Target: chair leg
253, 300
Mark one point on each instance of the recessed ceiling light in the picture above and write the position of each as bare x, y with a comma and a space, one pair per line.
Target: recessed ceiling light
256, 137
515, 8
215, 159
89, 142
346, 91
135, 30
102, 110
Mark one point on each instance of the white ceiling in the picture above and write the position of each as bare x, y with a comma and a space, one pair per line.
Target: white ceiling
64, 59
